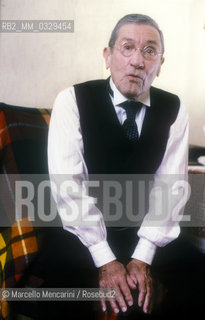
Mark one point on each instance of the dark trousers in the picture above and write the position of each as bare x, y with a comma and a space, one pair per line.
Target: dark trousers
67, 263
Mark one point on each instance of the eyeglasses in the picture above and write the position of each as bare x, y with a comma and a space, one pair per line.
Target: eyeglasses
148, 52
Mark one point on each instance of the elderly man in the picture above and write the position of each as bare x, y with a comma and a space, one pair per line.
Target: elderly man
117, 126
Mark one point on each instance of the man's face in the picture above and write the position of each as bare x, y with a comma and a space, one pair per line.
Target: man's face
134, 75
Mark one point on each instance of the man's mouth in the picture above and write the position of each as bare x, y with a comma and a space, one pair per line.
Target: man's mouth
135, 77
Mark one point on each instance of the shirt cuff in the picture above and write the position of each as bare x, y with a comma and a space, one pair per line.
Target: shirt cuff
145, 251
101, 253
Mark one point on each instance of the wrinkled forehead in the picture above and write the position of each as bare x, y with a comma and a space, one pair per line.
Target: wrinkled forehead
141, 34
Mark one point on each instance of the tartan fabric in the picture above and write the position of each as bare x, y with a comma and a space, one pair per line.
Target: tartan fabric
23, 139
23, 150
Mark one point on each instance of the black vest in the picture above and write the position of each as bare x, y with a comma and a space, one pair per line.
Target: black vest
105, 145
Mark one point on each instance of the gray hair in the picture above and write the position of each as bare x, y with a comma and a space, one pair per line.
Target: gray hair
138, 19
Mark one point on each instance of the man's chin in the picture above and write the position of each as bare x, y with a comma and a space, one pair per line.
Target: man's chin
131, 94
132, 89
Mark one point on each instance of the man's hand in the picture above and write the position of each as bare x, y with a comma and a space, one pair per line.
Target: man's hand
139, 272
114, 275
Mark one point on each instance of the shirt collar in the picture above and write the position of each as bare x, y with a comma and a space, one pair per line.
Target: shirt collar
119, 98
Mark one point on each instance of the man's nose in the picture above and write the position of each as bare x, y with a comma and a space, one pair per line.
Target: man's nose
137, 59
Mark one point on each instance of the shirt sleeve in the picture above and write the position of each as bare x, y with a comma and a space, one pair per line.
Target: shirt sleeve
172, 172
67, 169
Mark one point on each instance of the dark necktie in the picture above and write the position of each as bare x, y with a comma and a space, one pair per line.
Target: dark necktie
129, 125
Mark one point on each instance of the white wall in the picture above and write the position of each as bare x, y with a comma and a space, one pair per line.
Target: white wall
35, 67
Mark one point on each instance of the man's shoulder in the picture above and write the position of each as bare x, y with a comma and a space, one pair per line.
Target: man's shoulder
163, 94
81, 88
91, 84
165, 103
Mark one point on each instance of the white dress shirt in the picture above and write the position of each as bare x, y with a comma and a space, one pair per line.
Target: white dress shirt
65, 156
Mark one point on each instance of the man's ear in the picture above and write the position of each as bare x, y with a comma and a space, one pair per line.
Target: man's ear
159, 69
107, 56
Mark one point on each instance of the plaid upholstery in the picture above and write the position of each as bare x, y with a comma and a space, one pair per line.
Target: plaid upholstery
23, 139
23, 150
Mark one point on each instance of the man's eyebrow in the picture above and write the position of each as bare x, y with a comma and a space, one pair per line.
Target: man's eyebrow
152, 42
